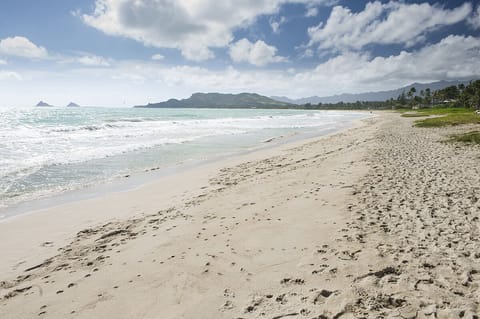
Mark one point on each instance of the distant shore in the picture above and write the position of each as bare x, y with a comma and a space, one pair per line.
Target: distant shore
377, 220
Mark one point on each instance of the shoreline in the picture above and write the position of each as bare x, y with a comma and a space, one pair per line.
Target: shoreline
68, 218
139, 179
379, 220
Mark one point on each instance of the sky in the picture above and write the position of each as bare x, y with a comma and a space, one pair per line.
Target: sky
132, 52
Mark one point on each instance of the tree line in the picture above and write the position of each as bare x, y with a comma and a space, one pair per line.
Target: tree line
461, 95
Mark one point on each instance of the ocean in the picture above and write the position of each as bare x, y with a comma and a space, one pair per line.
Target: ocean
49, 151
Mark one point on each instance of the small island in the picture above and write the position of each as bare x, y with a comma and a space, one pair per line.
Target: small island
72, 104
43, 104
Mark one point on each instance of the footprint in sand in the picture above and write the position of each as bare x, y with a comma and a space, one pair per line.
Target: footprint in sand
322, 296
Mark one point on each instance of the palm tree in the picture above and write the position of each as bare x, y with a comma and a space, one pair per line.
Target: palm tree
401, 98
428, 96
411, 94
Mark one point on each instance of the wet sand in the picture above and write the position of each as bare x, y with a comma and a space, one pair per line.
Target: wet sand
378, 221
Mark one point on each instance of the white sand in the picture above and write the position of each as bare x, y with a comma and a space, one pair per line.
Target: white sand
381, 220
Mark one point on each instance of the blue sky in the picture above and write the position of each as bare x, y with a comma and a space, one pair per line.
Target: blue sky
127, 52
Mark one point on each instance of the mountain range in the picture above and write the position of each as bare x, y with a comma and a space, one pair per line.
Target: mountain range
253, 100
218, 100
368, 96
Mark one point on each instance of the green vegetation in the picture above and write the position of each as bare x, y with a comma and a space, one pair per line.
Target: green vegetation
470, 137
446, 116
359, 105
445, 110
455, 96
444, 101
414, 115
447, 100
218, 100
452, 96
450, 119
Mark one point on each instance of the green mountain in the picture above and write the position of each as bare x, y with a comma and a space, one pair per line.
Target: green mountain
218, 100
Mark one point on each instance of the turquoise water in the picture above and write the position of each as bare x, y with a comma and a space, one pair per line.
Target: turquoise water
47, 151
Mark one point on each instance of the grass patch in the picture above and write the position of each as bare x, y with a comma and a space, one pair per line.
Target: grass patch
415, 115
435, 110
445, 110
450, 119
470, 137
403, 109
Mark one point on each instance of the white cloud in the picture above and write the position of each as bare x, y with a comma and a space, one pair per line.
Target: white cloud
194, 27
22, 47
326, 3
276, 24
312, 12
258, 53
308, 53
454, 57
90, 60
312, 6
3, 62
157, 57
388, 23
474, 20
93, 60
9, 75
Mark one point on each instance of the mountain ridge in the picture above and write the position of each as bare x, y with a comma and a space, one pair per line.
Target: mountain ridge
368, 96
220, 100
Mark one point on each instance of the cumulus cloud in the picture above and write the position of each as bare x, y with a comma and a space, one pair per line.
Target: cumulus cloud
311, 12
312, 6
383, 23
453, 57
258, 53
157, 57
276, 24
22, 47
93, 60
474, 20
308, 53
193, 27
89, 60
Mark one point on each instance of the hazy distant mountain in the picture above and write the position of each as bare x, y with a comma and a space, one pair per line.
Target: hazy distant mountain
218, 100
284, 99
71, 104
369, 96
41, 103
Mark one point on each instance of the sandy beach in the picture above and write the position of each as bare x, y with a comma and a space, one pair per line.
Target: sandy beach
377, 221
